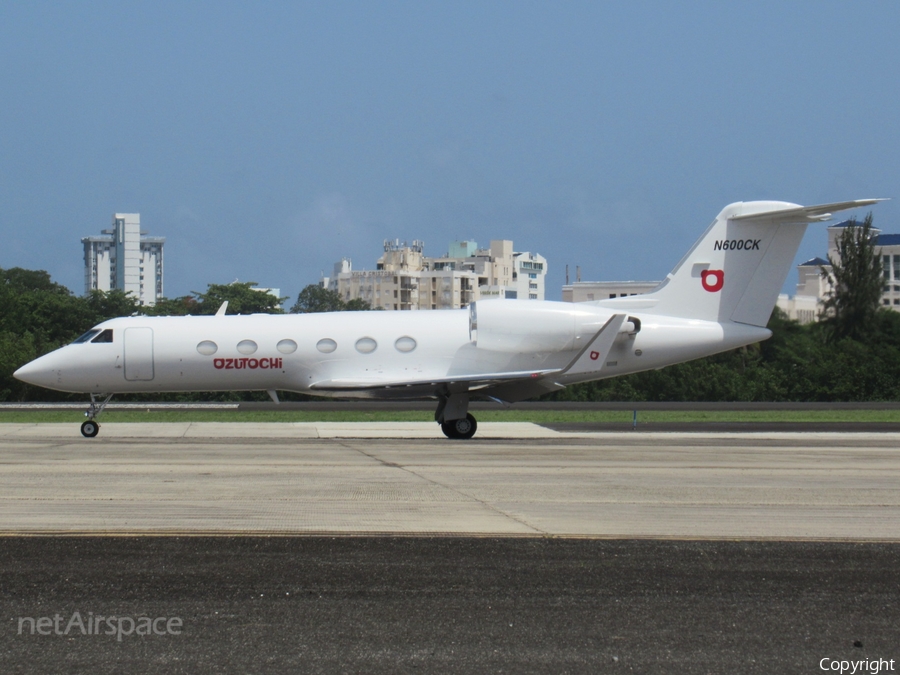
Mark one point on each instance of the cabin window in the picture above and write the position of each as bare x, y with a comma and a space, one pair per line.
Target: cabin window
366, 345
405, 344
87, 336
286, 346
105, 336
246, 346
326, 345
207, 347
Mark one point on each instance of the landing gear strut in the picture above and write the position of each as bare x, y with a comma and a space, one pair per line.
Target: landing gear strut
90, 428
463, 428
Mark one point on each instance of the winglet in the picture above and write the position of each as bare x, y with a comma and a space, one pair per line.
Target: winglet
221, 311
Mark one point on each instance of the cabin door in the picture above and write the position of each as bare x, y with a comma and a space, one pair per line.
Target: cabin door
138, 354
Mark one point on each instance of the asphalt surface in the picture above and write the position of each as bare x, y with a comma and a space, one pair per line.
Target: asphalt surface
372, 405
450, 605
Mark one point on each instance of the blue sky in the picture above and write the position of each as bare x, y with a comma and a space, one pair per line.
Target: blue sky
265, 141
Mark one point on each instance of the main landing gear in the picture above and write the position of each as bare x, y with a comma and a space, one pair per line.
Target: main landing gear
462, 429
454, 417
91, 428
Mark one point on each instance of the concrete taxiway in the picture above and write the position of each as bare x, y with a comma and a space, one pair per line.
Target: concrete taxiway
401, 478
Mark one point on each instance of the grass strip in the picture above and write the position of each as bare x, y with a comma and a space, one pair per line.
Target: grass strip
510, 415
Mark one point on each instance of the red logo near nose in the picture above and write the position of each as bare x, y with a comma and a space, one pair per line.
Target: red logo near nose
712, 280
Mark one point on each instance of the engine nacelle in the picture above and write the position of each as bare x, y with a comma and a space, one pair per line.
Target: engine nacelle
514, 326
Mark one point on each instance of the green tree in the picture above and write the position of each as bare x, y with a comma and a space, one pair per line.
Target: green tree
182, 306
37, 315
111, 304
856, 278
31, 303
315, 298
357, 305
242, 298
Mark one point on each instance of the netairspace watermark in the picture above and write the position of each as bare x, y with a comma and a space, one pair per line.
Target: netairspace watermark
98, 624
867, 666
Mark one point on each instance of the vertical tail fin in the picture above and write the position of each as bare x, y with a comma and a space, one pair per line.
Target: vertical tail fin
736, 269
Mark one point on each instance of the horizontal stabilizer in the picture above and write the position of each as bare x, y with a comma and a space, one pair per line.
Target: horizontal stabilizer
802, 214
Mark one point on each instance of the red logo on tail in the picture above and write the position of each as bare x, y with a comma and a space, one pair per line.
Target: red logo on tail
712, 280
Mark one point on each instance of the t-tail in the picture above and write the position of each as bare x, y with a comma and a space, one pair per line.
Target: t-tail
736, 269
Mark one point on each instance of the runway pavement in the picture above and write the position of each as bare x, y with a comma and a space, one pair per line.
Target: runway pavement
402, 478
385, 548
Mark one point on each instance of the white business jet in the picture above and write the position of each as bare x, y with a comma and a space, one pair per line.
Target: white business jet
717, 298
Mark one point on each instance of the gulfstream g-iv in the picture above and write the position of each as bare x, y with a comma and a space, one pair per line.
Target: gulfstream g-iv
717, 298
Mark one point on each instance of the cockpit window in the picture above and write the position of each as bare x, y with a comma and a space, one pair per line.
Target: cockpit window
105, 336
87, 336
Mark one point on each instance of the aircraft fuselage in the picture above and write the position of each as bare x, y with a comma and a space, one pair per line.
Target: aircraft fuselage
340, 354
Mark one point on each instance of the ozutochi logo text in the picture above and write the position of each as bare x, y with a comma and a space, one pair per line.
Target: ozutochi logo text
98, 624
240, 364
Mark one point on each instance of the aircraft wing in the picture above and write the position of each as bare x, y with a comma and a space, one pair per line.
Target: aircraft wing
478, 381
803, 214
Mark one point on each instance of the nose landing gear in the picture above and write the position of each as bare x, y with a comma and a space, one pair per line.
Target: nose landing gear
91, 428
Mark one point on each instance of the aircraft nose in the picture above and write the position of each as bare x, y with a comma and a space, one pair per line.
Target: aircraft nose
38, 373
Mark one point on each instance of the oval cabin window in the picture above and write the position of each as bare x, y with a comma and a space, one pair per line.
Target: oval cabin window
286, 346
326, 345
246, 346
405, 344
366, 345
207, 348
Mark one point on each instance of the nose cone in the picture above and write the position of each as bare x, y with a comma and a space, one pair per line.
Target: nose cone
40, 372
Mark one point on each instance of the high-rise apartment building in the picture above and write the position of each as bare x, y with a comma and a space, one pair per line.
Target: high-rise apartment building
124, 258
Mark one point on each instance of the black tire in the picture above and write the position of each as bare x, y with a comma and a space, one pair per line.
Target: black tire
90, 429
449, 429
461, 429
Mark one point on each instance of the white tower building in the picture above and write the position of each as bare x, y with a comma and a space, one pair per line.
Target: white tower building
123, 258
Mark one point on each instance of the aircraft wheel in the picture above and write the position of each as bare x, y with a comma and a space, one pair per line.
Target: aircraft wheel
90, 429
463, 428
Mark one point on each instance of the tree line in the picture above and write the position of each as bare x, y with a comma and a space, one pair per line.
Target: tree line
38, 315
852, 354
